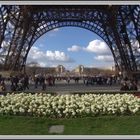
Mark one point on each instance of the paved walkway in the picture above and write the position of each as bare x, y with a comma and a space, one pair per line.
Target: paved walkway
64, 88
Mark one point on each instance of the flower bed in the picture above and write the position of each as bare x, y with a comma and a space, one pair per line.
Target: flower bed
69, 105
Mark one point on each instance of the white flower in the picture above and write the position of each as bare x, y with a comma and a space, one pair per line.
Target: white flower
64, 105
73, 113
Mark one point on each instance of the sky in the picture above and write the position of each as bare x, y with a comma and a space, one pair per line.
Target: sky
70, 47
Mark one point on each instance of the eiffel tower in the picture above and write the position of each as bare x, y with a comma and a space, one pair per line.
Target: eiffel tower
117, 25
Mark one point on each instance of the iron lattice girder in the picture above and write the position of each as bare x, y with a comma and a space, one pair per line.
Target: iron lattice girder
31, 22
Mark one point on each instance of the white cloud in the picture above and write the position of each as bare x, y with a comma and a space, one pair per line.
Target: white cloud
35, 53
57, 56
74, 48
95, 46
104, 58
47, 58
98, 47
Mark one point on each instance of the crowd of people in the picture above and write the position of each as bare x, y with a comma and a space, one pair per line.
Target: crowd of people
101, 80
23, 82
130, 85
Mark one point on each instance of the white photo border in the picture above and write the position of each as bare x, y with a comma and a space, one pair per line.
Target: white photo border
74, 2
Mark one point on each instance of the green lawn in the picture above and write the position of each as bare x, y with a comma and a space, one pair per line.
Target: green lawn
106, 125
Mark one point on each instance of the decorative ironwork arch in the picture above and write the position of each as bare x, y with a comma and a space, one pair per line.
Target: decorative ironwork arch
118, 26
